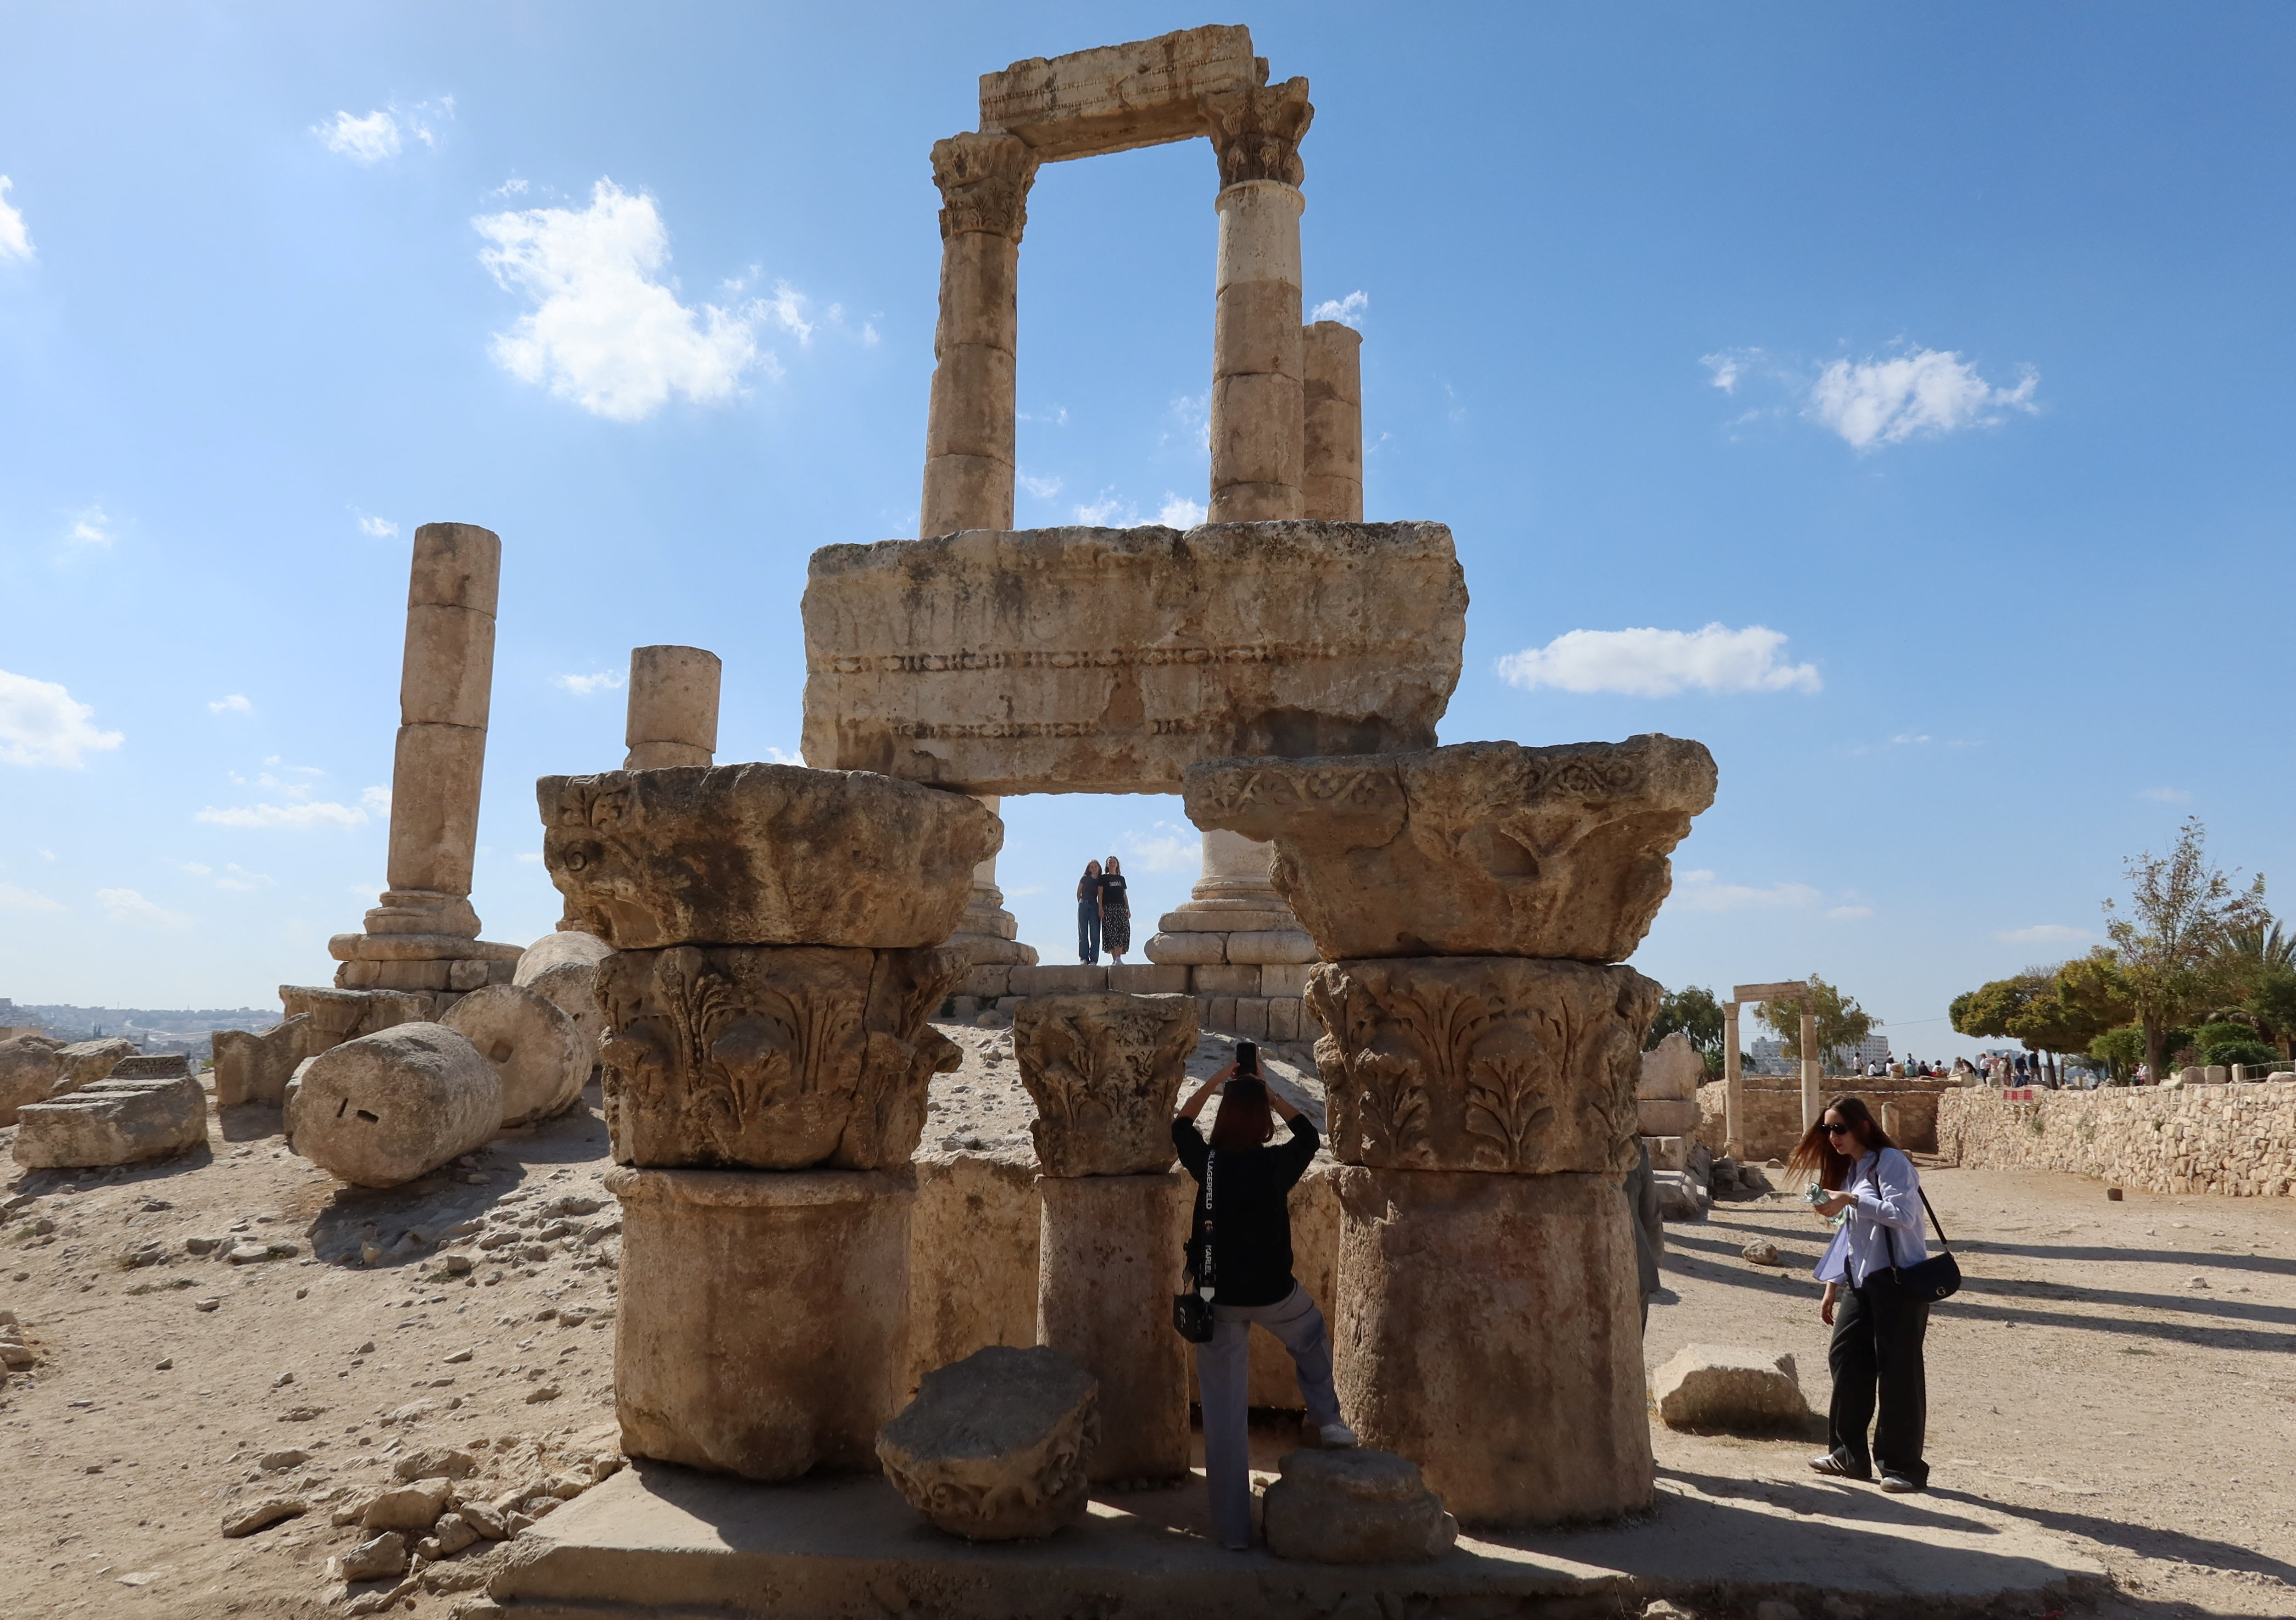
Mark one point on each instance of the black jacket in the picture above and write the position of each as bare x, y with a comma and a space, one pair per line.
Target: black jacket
1251, 1245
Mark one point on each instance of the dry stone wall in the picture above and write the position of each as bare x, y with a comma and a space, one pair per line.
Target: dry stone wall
1771, 1110
2238, 1140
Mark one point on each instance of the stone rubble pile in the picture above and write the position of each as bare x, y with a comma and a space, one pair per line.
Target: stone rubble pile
146, 1108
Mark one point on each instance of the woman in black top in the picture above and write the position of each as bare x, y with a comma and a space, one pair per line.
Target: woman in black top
1115, 913
1088, 914
1243, 1187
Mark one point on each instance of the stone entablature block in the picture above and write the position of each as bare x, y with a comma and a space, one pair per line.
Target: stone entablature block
1109, 660
1477, 848
1116, 98
772, 1057
1495, 1063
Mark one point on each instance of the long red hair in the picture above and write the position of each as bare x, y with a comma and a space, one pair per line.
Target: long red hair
1816, 1150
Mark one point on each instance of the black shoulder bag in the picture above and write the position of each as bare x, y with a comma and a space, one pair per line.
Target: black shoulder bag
1191, 1311
1936, 1278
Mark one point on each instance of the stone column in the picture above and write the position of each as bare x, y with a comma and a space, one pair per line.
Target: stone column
1258, 404
1105, 1072
1813, 1066
984, 183
673, 712
990, 932
1734, 1085
424, 935
1246, 954
1332, 468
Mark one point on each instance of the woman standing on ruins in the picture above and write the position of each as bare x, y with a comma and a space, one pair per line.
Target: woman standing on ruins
1878, 1328
1088, 914
1243, 1215
1115, 913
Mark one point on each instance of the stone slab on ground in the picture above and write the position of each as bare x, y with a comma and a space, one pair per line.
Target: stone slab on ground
660, 1535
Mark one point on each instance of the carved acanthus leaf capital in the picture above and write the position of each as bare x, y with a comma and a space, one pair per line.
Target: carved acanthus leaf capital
1257, 132
984, 183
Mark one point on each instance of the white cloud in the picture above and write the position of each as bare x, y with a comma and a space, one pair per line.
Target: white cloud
1659, 663
1104, 511
604, 332
1169, 846
126, 906
14, 899
362, 140
1193, 416
1728, 367
233, 703
1934, 390
41, 725
378, 528
530, 857
1043, 488
774, 756
2044, 934
1845, 913
238, 879
1348, 310
377, 801
585, 685
196, 868
1701, 892
1178, 512
91, 526
299, 816
15, 241
2167, 795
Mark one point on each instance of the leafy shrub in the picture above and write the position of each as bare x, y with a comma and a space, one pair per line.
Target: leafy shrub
2251, 1051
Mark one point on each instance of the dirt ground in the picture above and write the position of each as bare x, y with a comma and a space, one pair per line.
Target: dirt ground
2082, 1378
2123, 1374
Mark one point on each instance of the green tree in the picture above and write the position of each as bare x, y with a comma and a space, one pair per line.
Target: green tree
2271, 1001
2168, 941
1842, 1023
2120, 1050
1696, 1014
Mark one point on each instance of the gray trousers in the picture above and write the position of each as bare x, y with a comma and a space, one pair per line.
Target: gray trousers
1223, 1377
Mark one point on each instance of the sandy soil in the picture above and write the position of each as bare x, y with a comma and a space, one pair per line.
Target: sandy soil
2119, 1373
2081, 1379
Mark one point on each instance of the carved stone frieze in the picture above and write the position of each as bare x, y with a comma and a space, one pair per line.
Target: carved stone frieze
1479, 848
1257, 132
772, 1057
984, 181
1105, 1072
762, 855
1499, 1063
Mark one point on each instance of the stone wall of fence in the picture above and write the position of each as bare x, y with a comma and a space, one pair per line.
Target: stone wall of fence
1906, 1108
2239, 1140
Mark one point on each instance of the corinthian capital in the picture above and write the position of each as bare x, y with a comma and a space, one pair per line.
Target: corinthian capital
984, 184
1257, 132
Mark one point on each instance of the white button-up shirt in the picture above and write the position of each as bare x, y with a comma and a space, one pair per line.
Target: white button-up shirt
1883, 1226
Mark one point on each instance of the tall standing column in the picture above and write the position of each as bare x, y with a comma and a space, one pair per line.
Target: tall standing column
1734, 1085
1245, 952
1332, 487
1812, 1067
1258, 405
990, 932
969, 432
673, 712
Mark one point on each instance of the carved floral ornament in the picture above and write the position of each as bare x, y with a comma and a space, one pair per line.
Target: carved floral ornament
984, 181
1256, 133
1104, 1071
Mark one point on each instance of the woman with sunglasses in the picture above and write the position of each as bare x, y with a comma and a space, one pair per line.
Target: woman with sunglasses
1864, 1177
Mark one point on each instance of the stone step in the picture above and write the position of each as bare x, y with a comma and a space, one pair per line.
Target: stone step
1187, 921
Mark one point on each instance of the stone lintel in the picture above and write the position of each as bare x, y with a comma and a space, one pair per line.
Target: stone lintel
1116, 98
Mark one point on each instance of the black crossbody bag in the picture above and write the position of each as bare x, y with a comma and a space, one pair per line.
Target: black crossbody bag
1936, 1278
1191, 1311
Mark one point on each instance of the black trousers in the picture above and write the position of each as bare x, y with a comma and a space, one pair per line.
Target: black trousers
1877, 1346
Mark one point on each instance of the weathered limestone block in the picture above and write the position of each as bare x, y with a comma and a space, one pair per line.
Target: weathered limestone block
1356, 1506
773, 1057
1105, 1072
762, 1326
1111, 1253
1481, 1062
561, 947
972, 1258
1108, 659
1490, 1327
251, 1068
1471, 850
1671, 1072
115, 1121
84, 1061
1717, 1386
384, 1108
543, 1060
995, 1447
672, 718
1333, 486
1670, 1118
1115, 97
28, 1070
762, 855
563, 967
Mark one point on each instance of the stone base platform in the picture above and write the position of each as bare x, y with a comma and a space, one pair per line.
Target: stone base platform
661, 1540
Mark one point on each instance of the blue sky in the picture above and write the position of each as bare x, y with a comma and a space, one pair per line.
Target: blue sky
1991, 517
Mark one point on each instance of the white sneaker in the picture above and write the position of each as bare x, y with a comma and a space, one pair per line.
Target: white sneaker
1336, 1436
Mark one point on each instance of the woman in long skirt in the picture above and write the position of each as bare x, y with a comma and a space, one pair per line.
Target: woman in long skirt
1115, 913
